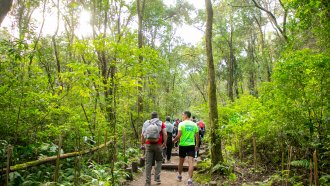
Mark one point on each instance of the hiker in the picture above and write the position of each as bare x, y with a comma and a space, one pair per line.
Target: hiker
201, 126
187, 133
153, 133
167, 152
194, 119
175, 131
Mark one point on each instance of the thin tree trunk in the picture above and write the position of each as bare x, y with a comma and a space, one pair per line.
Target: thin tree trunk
216, 154
316, 175
140, 11
231, 68
56, 52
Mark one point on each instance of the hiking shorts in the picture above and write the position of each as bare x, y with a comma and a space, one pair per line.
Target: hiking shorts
186, 151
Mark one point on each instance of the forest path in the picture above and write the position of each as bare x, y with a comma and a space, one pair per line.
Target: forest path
167, 177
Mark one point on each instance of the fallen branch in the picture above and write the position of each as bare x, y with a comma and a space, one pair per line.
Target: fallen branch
52, 158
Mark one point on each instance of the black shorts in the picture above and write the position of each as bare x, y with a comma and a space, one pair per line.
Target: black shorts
186, 151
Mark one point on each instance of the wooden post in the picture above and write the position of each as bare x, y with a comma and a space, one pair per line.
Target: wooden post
254, 152
77, 161
9, 153
241, 148
310, 172
124, 143
57, 167
135, 166
316, 175
282, 164
99, 143
288, 164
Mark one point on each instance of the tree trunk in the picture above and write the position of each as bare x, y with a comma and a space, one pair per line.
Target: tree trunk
140, 11
231, 68
5, 6
216, 154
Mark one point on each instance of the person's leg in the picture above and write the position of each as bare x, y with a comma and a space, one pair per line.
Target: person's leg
191, 155
159, 159
149, 160
169, 146
182, 155
191, 166
180, 167
197, 152
169, 151
164, 153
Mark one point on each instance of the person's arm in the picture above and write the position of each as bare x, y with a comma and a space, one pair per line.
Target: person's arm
143, 140
197, 141
177, 137
164, 137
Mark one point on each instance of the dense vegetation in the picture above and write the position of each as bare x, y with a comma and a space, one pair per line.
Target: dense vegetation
77, 91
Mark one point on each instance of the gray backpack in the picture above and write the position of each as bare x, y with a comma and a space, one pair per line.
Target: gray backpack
152, 130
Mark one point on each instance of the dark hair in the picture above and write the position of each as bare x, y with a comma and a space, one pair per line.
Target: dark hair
194, 117
168, 118
187, 113
154, 115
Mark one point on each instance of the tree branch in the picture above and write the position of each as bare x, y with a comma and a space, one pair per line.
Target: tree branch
273, 19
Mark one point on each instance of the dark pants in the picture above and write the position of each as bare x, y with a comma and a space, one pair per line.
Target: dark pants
169, 146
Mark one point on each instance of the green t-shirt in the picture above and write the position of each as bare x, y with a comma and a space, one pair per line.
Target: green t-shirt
188, 129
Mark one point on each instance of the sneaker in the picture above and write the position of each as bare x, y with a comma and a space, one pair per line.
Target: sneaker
168, 161
190, 182
178, 177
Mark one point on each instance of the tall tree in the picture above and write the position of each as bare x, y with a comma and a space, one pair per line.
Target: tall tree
216, 154
140, 11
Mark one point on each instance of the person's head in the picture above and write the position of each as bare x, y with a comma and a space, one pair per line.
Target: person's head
168, 119
186, 115
194, 119
154, 115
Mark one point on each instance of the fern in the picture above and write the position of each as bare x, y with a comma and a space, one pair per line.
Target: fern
300, 163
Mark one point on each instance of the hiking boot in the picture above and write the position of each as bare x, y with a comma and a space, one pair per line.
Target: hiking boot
178, 177
190, 182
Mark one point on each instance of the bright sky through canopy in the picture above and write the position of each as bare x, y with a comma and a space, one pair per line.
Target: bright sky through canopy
188, 33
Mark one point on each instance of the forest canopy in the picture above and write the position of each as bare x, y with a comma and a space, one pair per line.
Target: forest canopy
78, 74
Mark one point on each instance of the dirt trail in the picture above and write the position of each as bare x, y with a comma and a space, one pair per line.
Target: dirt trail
168, 177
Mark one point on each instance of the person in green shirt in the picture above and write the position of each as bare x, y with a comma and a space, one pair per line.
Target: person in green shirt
187, 133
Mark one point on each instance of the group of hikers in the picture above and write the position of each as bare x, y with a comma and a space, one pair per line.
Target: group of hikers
158, 139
